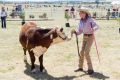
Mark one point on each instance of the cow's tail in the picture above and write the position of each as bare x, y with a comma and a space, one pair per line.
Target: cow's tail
27, 42
25, 50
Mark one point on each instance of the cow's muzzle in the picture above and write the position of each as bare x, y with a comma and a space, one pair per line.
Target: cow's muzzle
64, 38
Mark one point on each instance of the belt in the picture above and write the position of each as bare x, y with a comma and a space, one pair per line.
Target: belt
88, 35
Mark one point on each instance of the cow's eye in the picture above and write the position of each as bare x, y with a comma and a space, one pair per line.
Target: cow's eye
61, 29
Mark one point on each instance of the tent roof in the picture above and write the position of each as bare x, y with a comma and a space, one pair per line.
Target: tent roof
115, 2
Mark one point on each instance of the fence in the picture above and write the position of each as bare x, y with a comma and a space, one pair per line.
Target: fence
58, 13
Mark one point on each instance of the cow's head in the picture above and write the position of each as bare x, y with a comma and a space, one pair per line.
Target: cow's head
58, 35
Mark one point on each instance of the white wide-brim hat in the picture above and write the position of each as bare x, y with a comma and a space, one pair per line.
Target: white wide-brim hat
84, 9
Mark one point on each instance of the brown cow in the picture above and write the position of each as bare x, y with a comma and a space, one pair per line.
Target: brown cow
37, 40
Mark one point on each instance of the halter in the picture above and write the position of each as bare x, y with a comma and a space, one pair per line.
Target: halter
63, 38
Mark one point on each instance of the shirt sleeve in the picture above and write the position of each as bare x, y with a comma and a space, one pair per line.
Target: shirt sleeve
79, 31
94, 25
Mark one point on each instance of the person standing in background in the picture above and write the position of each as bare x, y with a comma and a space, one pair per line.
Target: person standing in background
3, 15
108, 14
72, 12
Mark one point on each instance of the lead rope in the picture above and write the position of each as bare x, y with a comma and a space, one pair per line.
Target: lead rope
77, 45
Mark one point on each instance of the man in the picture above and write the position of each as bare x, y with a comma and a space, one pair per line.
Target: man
72, 10
87, 26
108, 14
3, 15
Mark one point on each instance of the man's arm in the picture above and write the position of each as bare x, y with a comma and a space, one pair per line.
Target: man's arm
94, 25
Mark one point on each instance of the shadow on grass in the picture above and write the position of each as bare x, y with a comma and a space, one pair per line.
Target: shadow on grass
96, 75
44, 76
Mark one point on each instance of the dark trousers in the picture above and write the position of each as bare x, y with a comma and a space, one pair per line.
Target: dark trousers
3, 22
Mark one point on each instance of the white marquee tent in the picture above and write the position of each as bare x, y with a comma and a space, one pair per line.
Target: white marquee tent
115, 2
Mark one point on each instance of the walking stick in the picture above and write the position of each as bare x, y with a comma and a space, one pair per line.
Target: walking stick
77, 45
95, 43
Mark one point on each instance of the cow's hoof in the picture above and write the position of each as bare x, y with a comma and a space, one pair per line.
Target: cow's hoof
25, 59
43, 70
33, 71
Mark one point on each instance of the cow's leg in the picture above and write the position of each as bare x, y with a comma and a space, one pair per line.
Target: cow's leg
41, 63
25, 58
32, 58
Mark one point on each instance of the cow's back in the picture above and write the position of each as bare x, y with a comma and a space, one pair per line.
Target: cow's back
24, 29
27, 26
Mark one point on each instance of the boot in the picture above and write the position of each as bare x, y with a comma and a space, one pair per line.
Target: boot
79, 69
90, 72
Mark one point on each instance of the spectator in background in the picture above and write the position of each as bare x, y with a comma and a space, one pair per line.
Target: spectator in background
108, 14
67, 16
94, 15
72, 10
113, 13
7, 8
3, 15
117, 13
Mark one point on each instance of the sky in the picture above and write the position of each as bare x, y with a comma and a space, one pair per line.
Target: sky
47, 0
58, 0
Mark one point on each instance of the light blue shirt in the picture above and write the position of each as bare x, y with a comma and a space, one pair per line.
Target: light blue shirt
3, 14
87, 27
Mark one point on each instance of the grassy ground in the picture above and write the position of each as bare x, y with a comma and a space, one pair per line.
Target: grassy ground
61, 59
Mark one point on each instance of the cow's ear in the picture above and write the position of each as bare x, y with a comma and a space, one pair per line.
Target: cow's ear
61, 29
51, 36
